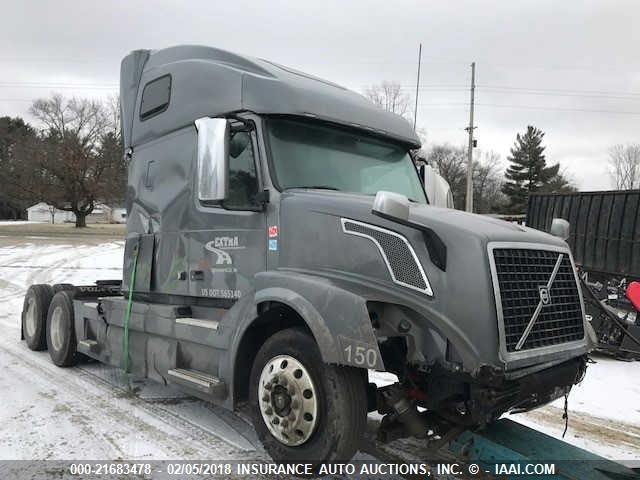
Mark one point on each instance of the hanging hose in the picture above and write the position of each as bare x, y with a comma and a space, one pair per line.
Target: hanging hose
125, 336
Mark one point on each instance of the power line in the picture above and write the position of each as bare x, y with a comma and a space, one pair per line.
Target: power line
560, 109
80, 86
539, 91
530, 107
560, 90
373, 61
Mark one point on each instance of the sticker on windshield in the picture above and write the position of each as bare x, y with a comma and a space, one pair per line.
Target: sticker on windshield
273, 244
273, 231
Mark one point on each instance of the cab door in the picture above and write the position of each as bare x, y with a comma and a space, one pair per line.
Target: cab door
227, 247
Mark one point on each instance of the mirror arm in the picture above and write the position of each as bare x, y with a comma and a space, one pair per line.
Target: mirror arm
245, 125
263, 197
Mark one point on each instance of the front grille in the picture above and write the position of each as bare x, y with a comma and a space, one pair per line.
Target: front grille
522, 273
401, 260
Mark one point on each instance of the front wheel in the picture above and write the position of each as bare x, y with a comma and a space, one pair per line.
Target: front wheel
303, 409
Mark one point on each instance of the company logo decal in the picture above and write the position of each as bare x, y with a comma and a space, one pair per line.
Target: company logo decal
223, 258
218, 246
225, 243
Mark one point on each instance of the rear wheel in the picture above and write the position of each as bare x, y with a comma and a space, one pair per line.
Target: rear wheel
303, 409
58, 287
61, 334
34, 315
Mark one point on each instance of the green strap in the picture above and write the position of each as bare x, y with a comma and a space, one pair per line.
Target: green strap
125, 337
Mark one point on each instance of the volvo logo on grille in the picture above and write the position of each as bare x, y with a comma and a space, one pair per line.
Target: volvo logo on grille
545, 296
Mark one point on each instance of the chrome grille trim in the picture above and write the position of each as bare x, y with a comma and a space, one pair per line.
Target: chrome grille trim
420, 284
511, 354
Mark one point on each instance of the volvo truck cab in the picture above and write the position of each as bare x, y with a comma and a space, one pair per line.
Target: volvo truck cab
280, 246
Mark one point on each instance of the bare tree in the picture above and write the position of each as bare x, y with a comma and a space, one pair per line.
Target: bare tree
487, 176
14, 132
487, 183
450, 161
390, 96
624, 166
66, 164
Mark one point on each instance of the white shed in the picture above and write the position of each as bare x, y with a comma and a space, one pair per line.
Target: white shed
43, 212
101, 214
119, 215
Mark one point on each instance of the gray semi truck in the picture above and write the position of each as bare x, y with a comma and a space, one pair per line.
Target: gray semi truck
280, 246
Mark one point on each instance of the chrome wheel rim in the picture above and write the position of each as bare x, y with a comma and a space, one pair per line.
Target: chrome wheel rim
288, 400
30, 317
55, 329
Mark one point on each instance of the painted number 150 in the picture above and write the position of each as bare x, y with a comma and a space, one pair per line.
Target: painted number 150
365, 357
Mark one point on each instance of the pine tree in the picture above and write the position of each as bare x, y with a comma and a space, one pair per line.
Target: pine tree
528, 171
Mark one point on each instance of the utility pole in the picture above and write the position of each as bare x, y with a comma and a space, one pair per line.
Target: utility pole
415, 112
469, 202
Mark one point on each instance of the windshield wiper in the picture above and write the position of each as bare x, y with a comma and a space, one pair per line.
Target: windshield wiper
318, 187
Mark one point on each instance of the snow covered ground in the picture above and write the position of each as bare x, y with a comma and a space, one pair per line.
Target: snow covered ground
88, 412
16, 222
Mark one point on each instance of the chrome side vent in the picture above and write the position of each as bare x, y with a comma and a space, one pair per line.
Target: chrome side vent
398, 254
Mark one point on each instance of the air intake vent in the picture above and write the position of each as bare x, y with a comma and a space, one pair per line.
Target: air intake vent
539, 298
399, 256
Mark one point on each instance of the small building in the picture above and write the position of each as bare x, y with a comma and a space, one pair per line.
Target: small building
43, 212
101, 214
118, 215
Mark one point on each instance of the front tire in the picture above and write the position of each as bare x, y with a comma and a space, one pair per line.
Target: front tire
61, 332
303, 409
34, 315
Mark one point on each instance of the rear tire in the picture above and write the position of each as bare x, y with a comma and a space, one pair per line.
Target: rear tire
34, 315
60, 287
336, 394
61, 332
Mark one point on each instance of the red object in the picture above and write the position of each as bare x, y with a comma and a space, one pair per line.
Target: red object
633, 294
273, 231
417, 394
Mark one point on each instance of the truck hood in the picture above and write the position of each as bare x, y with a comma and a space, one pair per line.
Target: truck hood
444, 221
488, 228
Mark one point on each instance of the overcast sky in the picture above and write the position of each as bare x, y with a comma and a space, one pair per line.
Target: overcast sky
571, 68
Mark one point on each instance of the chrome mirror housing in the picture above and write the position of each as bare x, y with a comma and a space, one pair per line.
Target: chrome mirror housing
213, 158
391, 205
560, 228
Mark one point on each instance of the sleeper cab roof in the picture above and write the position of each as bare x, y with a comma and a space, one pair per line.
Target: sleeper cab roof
207, 81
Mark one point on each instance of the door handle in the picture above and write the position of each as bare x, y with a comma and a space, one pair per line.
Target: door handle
196, 275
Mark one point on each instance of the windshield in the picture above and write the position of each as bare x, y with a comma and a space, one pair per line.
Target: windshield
309, 155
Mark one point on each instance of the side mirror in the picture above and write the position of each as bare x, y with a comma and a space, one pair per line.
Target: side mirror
560, 228
391, 205
213, 159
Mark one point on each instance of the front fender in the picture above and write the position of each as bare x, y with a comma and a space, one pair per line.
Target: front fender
338, 319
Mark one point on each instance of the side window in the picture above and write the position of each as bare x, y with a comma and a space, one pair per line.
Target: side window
155, 97
243, 179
